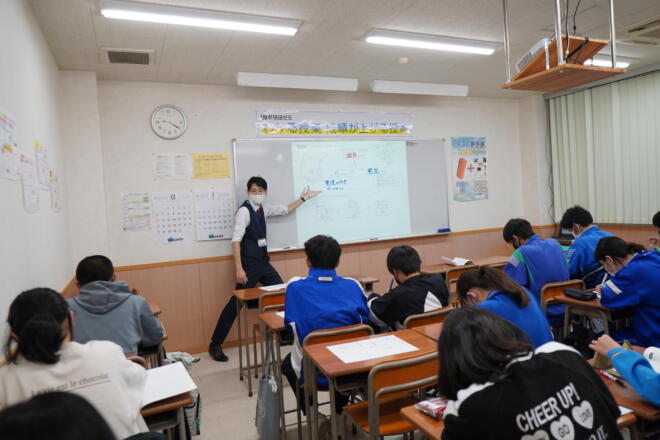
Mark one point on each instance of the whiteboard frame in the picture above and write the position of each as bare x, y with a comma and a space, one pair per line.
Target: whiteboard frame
234, 141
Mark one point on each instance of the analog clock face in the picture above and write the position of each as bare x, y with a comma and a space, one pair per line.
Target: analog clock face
168, 121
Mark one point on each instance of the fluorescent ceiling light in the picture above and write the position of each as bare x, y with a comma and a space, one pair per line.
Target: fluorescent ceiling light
126, 10
434, 42
606, 61
253, 79
418, 88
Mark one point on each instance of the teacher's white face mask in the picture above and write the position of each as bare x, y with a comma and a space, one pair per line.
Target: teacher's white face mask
257, 199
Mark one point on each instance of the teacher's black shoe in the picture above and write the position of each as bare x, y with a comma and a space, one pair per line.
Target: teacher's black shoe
216, 353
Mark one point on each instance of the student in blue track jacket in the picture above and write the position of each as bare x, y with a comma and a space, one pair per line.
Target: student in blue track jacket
635, 282
581, 262
492, 290
535, 262
632, 366
321, 301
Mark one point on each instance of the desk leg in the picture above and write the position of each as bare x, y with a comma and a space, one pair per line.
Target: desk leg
240, 338
311, 394
278, 375
333, 413
567, 320
247, 349
181, 415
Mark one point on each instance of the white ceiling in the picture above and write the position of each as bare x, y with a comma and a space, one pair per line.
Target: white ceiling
329, 41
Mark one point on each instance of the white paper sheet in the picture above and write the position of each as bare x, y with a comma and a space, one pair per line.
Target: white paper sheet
172, 166
371, 349
55, 191
273, 288
10, 157
136, 211
624, 410
280, 314
30, 184
166, 381
43, 169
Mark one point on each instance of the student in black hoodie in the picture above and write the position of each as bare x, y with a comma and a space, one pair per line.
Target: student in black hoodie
415, 293
500, 388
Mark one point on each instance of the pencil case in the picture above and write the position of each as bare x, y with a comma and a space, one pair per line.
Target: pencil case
579, 294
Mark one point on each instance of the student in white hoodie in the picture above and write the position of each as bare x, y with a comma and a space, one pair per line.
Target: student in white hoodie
42, 358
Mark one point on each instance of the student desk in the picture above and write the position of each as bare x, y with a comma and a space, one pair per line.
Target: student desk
174, 403
243, 296
431, 331
273, 324
432, 428
593, 309
334, 369
444, 267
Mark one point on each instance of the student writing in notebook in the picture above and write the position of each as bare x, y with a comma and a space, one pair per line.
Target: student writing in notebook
493, 290
42, 358
634, 282
320, 301
581, 261
632, 366
535, 262
415, 292
499, 387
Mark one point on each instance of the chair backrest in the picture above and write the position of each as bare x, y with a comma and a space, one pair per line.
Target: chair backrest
432, 317
337, 334
451, 277
271, 299
138, 360
399, 377
551, 290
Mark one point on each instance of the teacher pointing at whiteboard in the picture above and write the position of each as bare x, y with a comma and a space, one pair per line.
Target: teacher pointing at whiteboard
251, 253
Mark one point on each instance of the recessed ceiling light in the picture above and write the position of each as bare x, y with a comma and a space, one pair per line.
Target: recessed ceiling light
433, 42
255, 79
154, 13
418, 88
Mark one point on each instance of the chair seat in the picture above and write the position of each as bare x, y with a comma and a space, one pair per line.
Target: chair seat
391, 421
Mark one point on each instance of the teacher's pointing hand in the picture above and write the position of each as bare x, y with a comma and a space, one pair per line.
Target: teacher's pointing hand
308, 193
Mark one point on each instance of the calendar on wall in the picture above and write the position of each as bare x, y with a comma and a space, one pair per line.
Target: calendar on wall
173, 216
214, 216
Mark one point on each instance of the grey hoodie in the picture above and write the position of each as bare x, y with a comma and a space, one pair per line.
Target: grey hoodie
108, 311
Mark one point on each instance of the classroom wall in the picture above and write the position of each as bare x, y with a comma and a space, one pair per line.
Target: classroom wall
35, 248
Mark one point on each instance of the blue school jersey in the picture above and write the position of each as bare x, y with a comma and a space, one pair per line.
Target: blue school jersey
536, 263
637, 285
530, 319
321, 301
581, 261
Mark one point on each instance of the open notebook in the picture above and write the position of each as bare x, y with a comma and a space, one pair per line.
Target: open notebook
167, 381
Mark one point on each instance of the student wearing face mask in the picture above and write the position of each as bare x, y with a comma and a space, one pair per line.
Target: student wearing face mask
535, 262
634, 282
493, 290
415, 292
251, 253
581, 262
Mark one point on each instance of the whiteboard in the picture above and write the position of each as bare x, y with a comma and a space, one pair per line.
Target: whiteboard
272, 159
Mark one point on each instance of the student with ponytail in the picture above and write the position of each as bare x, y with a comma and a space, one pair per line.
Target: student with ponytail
634, 282
494, 291
41, 358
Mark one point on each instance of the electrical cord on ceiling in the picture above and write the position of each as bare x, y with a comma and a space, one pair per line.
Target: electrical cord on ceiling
575, 54
567, 4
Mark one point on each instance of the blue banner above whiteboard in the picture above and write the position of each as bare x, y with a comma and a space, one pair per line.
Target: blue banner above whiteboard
315, 123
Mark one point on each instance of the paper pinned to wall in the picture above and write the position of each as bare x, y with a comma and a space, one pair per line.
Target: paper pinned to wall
136, 209
469, 168
214, 211
55, 194
172, 166
30, 184
210, 166
10, 157
174, 216
43, 168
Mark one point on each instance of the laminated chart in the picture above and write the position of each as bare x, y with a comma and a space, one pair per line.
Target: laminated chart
214, 213
364, 184
173, 216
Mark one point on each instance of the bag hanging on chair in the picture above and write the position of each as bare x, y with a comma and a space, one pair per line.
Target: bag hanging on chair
268, 402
